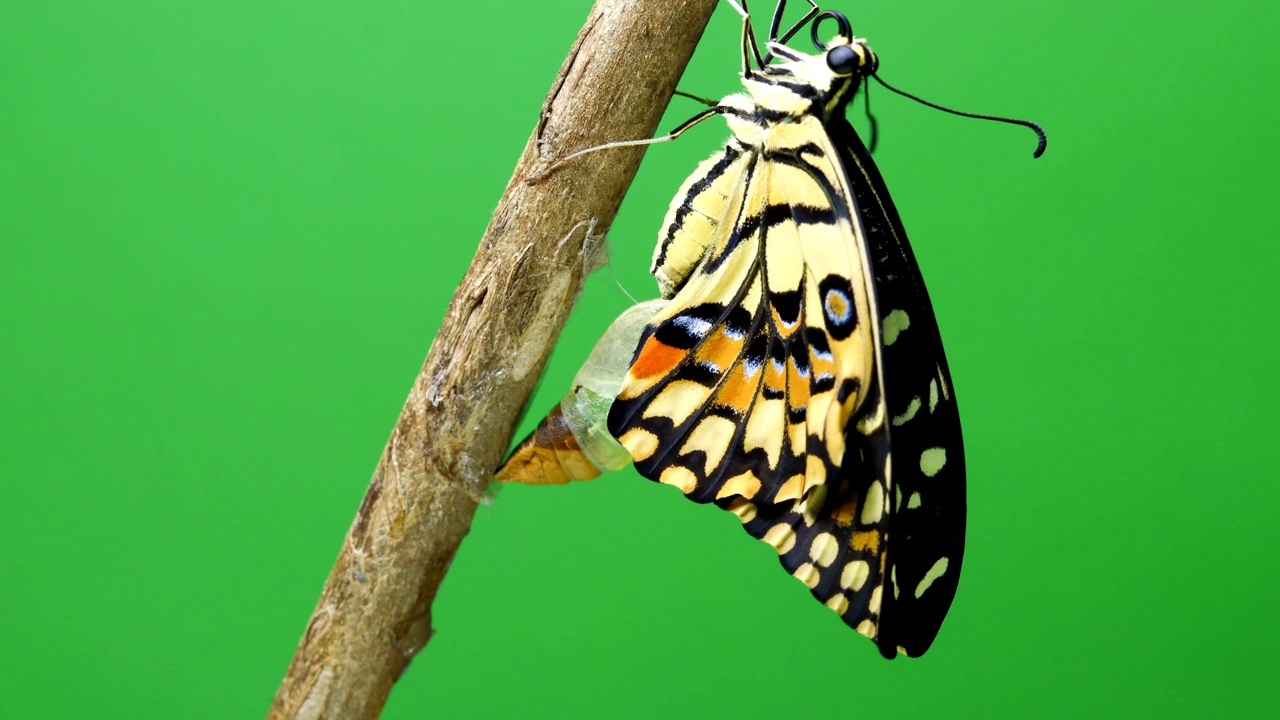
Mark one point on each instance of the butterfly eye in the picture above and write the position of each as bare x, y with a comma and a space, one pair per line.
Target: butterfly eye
843, 60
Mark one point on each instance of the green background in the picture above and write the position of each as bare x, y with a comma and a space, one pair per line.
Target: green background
229, 231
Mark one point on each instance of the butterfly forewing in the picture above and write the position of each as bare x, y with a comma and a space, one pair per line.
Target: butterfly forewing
756, 389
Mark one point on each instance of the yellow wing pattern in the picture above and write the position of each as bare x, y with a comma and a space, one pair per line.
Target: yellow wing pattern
797, 318
742, 388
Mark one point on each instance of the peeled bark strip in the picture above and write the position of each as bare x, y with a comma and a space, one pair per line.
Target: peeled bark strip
374, 613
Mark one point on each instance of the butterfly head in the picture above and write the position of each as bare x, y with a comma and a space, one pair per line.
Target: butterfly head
848, 57
822, 83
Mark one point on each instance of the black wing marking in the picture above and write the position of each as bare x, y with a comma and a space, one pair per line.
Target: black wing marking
927, 526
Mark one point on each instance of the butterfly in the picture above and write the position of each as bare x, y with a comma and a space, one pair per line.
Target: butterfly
796, 376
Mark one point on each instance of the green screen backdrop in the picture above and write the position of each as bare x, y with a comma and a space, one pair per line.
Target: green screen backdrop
229, 232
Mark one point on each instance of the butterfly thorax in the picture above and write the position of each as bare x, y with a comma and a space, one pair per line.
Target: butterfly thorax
802, 86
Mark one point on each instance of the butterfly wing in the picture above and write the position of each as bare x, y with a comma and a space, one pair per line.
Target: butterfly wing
928, 471
758, 388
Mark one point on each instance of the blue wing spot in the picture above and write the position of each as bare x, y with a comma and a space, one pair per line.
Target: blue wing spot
837, 306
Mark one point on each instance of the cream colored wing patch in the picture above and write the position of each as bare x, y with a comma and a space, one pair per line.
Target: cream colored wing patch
748, 388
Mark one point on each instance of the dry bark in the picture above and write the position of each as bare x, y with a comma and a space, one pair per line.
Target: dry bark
374, 614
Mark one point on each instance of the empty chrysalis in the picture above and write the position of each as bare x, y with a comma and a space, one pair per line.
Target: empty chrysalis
573, 441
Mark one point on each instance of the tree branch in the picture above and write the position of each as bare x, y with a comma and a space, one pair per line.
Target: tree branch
374, 613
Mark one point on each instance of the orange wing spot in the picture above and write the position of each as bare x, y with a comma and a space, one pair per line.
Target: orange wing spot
799, 386
737, 390
720, 350
846, 512
835, 304
774, 377
821, 366
656, 358
866, 541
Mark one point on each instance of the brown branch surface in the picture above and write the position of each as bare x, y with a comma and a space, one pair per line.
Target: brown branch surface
374, 614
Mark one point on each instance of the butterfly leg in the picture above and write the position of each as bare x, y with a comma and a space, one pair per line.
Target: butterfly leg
777, 22
717, 110
750, 49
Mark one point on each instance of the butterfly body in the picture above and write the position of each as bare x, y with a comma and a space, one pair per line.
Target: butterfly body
764, 385
796, 377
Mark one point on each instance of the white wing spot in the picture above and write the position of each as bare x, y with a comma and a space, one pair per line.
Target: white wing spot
873, 506
855, 575
933, 395
680, 477
838, 602
894, 323
782, 537
824, 548
932, 460
744, 509
934, 573
912, 408
695, 326
808, 575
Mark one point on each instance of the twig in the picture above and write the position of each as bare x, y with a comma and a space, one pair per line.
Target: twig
374, 614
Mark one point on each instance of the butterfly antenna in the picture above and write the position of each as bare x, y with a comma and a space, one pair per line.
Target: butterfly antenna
1035, 127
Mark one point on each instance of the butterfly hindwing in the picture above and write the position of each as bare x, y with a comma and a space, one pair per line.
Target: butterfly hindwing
928, 469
